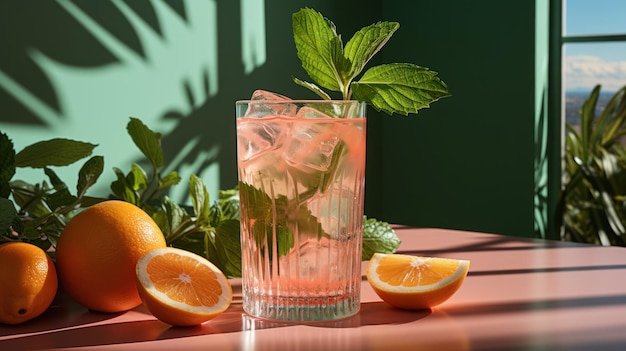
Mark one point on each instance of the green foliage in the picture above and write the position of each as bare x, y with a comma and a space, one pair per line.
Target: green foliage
47, 153
378, 237
44, 208
393, 88
593, 200
7, 165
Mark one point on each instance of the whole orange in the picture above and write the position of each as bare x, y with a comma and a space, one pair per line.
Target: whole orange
97, 252
28, 282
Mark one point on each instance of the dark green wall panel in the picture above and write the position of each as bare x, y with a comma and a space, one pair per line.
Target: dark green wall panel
466, 163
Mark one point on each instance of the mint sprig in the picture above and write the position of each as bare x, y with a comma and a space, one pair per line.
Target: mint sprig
401, 88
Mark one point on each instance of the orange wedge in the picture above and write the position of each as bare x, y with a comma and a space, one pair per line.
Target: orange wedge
181, 288
413, 282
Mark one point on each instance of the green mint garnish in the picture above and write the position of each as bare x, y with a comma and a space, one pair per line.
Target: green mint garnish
260, 208
401, 88
378, 237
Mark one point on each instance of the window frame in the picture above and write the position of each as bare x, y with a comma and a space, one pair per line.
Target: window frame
556, 106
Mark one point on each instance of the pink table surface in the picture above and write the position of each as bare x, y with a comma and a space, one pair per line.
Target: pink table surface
520, 294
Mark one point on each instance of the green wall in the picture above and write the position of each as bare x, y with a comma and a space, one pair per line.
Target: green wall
466, 163
79, 69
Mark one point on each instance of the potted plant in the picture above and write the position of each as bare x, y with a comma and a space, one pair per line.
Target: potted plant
592, 204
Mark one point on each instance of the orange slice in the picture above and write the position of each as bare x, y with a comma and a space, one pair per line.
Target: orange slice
181, 288
413, 282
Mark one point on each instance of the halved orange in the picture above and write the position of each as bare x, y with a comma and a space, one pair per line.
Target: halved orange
181, 288
413, 282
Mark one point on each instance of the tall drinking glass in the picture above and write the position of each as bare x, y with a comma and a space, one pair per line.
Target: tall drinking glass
301, 171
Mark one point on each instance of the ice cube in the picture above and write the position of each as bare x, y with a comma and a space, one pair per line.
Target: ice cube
311, 143
265, 103
256, 137
268, 95
313, 260
320, 268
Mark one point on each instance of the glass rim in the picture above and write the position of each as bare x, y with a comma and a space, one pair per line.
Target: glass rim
304, 101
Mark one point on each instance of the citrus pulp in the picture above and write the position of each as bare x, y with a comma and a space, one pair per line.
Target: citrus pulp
181, 288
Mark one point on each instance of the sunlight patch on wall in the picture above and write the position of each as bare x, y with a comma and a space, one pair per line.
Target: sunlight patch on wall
177, 73
253, 51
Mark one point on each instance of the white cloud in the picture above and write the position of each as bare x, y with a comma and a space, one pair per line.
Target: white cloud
584, 72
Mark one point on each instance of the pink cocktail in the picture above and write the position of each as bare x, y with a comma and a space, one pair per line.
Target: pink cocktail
301, 171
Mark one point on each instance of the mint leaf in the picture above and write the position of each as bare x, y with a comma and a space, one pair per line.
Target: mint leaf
229, 244
7, 165
319, 48
137, 178
259, 205
365, 43
280, 218
60, 198
312, 87
168, 180
394, 88
53, 152
123, 188
29, 197
7, 214
399, 88
378, 237
89, 174
200, 200
228, 203
263, 232
56, 182
147, 141
171, 218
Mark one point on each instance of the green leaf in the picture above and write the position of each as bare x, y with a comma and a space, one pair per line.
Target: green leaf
401, 88
170, 179
89, 174
53, 152
263, 232
257, 202
307, 223
147, 141
29, 197
312, 87
587, 116
200, 201
8, 213
378, 237
229, 244
122, 189
60, 198
615, 108
176, 219
228, 203
137, 178
161, 219
261, 208
56, 182
284, 240
365, 43
319, 48
7, 164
